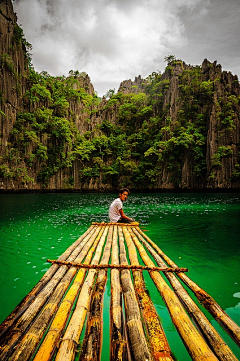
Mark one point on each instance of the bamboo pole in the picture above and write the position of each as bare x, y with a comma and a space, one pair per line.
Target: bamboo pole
92, 343
138, 343
119, 266
158, 342
115, 224
32, 337
24, 322
27, 342
24, 304
218, 345
118, 350
195, 344
55, 331
72, 335
203, 297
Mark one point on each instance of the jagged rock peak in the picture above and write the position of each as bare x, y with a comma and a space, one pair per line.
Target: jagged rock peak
129, 86
206, 65
83, 81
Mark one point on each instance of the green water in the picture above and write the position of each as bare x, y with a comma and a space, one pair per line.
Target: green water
197, 231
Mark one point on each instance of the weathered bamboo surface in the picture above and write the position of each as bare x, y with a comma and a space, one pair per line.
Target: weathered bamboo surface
62, 317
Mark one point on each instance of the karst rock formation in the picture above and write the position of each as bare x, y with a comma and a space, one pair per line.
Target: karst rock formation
186, 136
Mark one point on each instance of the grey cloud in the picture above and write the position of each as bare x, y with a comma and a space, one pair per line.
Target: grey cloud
113, 40
213, 34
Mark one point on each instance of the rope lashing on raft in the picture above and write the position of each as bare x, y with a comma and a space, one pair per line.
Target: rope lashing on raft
112, 266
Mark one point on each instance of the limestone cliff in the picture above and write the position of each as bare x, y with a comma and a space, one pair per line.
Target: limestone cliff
173, 131
218, 99
209, 99
13, 69
18, 88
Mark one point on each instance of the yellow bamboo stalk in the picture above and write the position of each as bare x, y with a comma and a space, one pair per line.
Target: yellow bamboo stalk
92, 343
33, 336
158, 342
138, 342
203, 297
24, 322
118, 342
24, 304
55, 331
195, 344
218, 345
72, 335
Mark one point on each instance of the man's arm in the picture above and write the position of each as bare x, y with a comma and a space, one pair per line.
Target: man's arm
124, 215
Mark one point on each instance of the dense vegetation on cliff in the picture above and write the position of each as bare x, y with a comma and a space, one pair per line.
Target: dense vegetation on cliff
175, 130
44, 137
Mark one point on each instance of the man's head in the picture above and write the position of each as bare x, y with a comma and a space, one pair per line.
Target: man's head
124, 193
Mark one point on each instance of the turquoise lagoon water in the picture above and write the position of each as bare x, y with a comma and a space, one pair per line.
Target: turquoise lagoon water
197, 231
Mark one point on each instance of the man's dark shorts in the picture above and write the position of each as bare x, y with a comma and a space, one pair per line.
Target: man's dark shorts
123, 220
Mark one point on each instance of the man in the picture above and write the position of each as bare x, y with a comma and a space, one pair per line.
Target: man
116, 213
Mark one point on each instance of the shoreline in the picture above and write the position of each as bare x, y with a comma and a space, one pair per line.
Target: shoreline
81, 191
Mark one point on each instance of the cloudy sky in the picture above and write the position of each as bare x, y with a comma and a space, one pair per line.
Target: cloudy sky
114, 40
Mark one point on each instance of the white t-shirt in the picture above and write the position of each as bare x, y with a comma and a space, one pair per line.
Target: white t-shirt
114, 208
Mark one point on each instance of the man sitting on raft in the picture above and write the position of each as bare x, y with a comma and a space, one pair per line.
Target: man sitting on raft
116, 213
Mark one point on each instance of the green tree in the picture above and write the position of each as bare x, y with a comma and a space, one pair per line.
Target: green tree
169, 59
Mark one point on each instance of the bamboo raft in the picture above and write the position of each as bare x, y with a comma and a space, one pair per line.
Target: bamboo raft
49, 321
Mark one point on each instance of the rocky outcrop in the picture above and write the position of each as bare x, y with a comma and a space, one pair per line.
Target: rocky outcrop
222, 126
203, 100
129, 86
13, 68
15, 83
222, 154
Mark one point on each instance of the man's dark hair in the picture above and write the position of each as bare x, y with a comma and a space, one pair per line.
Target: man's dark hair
124, 190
